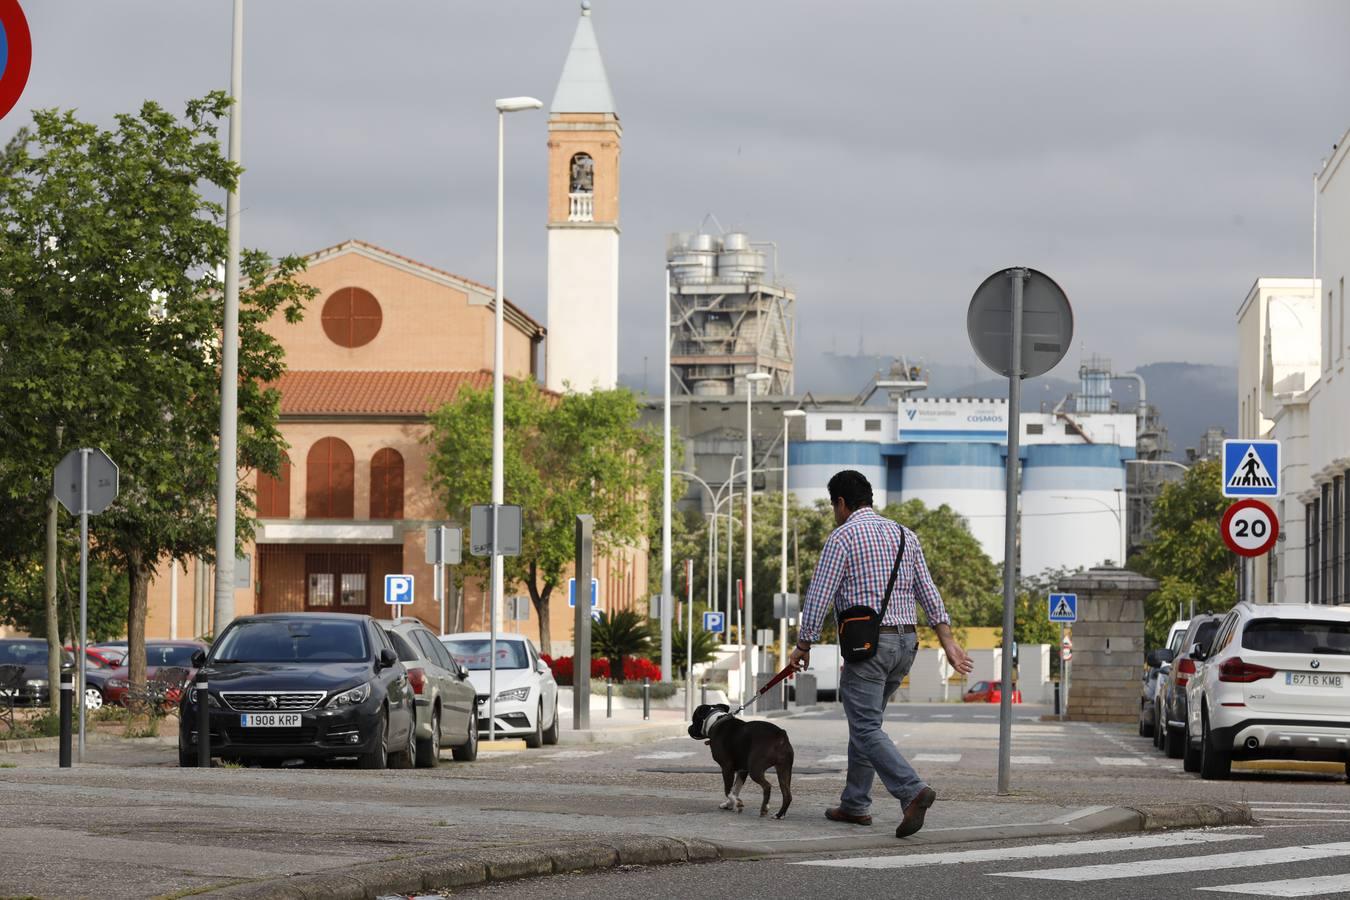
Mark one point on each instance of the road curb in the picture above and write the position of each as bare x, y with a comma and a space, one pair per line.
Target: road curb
367, 881
38, 745
626, 734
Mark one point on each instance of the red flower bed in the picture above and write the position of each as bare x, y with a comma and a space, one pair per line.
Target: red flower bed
634, 668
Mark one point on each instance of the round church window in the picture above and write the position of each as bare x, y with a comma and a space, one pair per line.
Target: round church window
351, 317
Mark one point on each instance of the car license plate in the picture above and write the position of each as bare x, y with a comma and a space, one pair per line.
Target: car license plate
1313, 679
270, 720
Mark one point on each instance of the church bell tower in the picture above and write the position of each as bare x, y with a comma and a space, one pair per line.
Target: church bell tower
583, 221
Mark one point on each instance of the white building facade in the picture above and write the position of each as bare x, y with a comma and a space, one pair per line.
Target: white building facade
953, 452
1307, 389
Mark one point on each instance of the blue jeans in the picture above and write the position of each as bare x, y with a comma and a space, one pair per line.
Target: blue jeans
864, 689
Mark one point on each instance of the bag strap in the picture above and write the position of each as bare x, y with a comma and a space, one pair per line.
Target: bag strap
895, 570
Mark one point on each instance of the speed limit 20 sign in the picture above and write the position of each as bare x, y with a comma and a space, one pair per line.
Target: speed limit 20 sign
1249, 528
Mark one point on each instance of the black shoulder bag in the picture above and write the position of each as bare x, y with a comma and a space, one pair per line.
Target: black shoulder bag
860, 626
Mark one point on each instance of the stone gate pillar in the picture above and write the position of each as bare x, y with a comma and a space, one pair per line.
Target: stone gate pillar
1108, 644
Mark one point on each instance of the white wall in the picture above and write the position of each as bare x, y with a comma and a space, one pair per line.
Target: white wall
583, 308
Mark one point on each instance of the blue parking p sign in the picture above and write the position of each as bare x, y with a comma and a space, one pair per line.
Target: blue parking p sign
1251, 468
714, 622
398, 589
572, 593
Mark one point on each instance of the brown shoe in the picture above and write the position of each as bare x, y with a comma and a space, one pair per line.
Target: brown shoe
838, 815
913, 819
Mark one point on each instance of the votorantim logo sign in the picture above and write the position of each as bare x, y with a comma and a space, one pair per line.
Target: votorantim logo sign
956, 419
16, 54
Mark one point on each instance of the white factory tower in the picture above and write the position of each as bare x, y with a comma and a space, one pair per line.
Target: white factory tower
583, 221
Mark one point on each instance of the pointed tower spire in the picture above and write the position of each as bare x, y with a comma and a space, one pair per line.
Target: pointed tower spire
583, 87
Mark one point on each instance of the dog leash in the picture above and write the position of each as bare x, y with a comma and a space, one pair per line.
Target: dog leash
787, 672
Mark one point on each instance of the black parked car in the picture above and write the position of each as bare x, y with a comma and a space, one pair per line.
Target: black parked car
309, 686
31, 655
1172, 701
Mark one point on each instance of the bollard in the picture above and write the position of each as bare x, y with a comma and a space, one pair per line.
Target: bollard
67, 695
703, 694
1057, 698
609, 698
203, 723
646, 699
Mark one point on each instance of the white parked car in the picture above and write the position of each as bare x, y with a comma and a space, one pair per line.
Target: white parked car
1275, 684
527, 695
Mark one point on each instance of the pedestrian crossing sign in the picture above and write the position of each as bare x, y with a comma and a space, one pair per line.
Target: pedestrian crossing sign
1063, 607
1251, 468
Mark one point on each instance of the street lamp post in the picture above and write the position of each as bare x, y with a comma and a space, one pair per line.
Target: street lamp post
748, 616
227, 473
788, 416
504, 106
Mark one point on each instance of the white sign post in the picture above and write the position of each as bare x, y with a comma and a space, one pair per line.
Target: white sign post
444, 548
86, 483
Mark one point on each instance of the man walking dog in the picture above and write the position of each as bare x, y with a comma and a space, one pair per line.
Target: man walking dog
872, 573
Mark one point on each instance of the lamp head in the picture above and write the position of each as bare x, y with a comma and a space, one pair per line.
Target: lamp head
794, 414
516, 104
758, 376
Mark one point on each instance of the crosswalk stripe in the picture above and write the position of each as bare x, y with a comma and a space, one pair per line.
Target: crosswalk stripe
575, 754
1031, 761
1314, 810
1033, 851
1314, 886
1146, 867
831, 760
938, 757
665, 754
1119, 761
941, 715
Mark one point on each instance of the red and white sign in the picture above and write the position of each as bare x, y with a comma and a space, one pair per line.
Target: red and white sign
1066, 649
1249, 528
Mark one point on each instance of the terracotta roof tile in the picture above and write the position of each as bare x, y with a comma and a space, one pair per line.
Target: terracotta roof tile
373, 393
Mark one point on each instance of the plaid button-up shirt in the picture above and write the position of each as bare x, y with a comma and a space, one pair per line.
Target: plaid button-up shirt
855, 565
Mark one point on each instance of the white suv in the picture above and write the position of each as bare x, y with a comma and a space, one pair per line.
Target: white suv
1275, 685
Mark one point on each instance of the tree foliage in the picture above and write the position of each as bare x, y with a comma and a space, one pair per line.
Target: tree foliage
111, 330
564, 456
1186, 553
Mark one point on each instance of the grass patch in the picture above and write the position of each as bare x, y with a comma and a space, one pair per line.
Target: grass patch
229, 764
142, 727
46, 724
111, 714
7, 765
178, 895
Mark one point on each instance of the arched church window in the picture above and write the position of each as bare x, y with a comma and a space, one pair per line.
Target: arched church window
583, 174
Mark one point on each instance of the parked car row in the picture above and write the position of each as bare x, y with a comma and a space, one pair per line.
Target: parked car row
1263, 681
324, 686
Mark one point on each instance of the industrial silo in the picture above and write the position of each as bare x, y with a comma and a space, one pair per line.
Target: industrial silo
968, 477
1073, 505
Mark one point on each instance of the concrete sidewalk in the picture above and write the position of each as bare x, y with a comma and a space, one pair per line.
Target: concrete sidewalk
154, 830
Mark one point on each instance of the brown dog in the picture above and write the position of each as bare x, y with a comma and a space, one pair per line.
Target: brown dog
745, 750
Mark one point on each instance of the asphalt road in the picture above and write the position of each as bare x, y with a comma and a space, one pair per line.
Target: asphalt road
1293, 859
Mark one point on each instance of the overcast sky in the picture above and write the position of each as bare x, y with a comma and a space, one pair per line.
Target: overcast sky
1154, 158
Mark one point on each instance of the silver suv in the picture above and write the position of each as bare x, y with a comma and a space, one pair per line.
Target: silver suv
447, 706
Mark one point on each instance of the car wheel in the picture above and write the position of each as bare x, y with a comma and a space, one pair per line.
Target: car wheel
1190, 754
536, 738
468, 751
404, 758
93, 698
377, 757
1215, 761
429, 751
1174, 740
551, 735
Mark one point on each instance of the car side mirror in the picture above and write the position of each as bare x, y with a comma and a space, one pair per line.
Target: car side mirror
1165, 655
387, 658
541, 667
198, 659
1197, 652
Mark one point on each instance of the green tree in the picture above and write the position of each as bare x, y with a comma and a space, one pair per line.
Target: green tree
112, 325
564, 455
619, 633
1186, 553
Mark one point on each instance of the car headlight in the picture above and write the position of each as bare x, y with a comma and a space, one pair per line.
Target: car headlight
513, 695
119, 683
210, 698
353, 697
